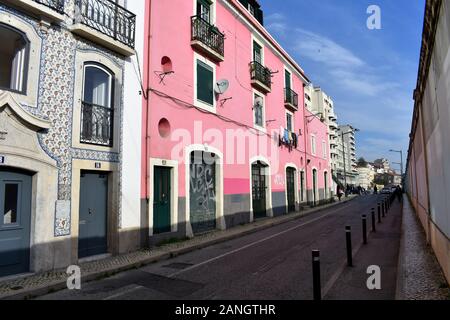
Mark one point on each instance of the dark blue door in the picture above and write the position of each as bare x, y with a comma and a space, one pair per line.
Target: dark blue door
15, 217
93, 214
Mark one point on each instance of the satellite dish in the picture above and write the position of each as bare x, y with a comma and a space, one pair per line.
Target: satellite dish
221, 86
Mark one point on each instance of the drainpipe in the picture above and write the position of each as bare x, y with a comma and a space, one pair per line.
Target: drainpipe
147, 97
306, 153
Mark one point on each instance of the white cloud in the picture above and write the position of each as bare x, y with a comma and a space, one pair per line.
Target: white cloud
374, 102
324, 50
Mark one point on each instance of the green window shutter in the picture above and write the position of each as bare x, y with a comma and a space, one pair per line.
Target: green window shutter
205, 83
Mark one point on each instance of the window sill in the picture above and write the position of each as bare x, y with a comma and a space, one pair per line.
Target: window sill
99, 38
204, 49
38, 9
205, 106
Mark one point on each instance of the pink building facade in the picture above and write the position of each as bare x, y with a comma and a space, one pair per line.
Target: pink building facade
225, 137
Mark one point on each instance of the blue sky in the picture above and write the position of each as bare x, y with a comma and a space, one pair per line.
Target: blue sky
370, 74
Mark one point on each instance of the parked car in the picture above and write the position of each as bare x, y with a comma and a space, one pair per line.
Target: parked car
386, 190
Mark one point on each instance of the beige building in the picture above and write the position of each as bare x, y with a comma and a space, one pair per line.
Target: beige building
366, 176
428, 166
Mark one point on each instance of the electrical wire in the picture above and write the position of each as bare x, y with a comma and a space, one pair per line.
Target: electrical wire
188, 105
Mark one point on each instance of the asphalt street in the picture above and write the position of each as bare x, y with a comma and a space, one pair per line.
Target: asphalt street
273, 263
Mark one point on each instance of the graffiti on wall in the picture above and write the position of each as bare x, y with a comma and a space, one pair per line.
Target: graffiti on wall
203, 185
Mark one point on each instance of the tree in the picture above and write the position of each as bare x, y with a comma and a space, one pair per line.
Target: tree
362, 162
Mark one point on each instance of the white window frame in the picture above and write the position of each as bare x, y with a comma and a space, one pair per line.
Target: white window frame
29, 94
254, 39
292, 122
284, 78
313, 145
212, 12
324, 149
90, 64
198, 103
263, 97
87, 58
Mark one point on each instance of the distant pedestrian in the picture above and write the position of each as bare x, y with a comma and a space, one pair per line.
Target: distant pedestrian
339, 192
375, 190
399, 193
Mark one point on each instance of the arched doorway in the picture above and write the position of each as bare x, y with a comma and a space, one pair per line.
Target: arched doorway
15, 220
203, 191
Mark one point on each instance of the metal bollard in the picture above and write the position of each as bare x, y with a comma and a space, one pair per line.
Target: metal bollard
379, 216
364, 226
374, 229
383, 207
317, 290
348, 236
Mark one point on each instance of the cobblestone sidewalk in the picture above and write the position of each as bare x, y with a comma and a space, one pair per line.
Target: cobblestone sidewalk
39, 284
420, 276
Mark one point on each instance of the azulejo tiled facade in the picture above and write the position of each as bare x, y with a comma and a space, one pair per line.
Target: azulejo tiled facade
57, 93
56, 102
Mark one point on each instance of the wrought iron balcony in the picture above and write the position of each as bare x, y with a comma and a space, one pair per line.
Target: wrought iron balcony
57, 5
290, 98
261, 76
207, 38
108, 18
96, 124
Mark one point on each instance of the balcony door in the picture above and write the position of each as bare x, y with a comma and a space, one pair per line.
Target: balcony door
287, 79
204, 10
257, 53
97, 107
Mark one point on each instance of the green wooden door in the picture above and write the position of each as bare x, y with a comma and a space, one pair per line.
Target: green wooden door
290, 188
259, 189
161, 200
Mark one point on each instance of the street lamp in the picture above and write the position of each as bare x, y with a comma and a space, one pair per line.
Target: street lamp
401, 160
343, 152
322, 118
307, 161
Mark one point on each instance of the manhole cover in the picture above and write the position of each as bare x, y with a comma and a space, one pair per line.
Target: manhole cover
178, 266
16, 288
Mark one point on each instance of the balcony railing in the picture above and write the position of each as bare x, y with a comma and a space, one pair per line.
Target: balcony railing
291, 97
57, 5
261, 74
108, 18
96, 124
207, 34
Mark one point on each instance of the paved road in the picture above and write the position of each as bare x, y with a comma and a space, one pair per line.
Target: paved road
271, 264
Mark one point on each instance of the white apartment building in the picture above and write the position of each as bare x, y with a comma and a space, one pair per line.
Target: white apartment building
346, 170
